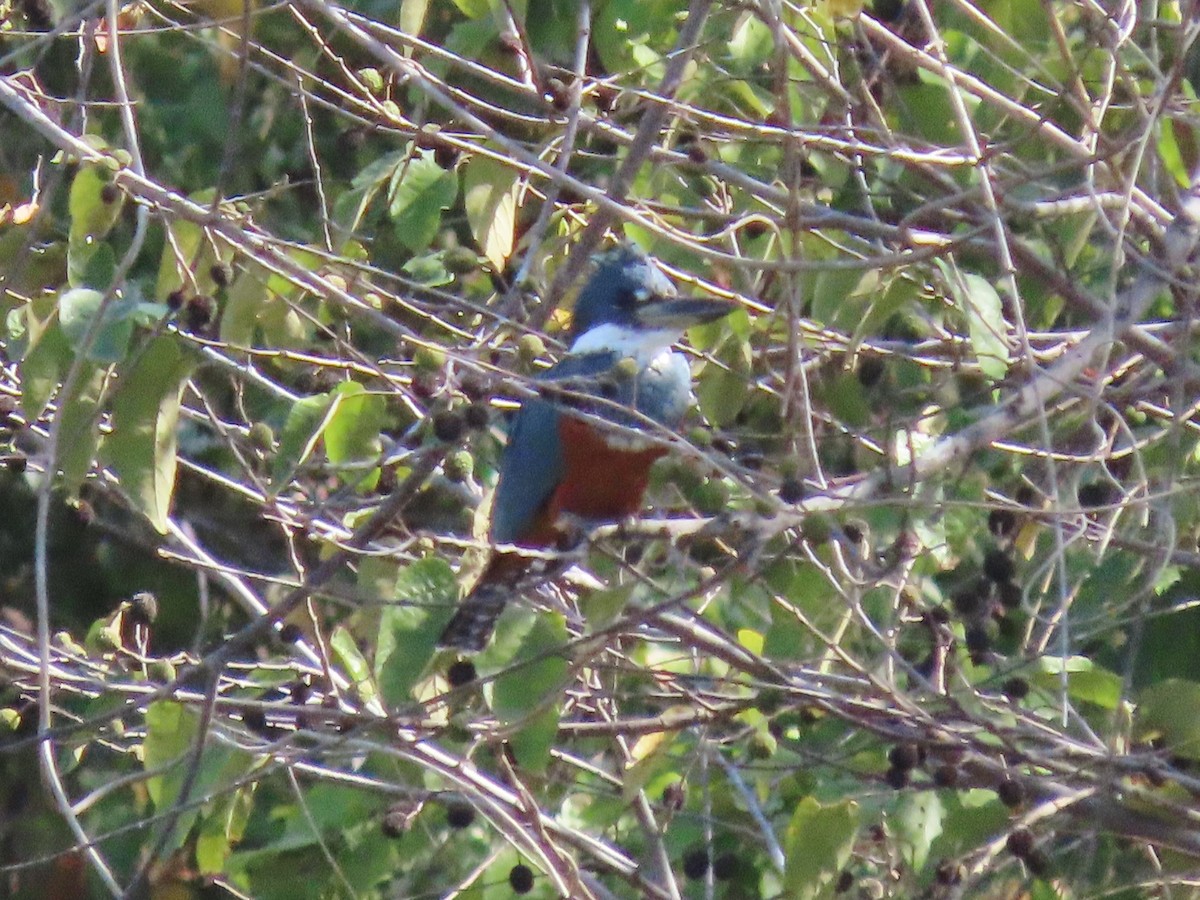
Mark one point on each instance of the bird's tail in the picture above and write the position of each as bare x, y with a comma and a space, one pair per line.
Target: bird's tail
477, 613
476, 617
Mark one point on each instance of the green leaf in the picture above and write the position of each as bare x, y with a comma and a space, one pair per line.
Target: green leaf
917, 821
1170, 711
345, 648
1086, 681
473, 9
428, 269
408, 631
244, 302
78, 433
46, 359
525, 694
419, 191
412, 16
490, 195
170, 732
846, 399
78, 307
981, 305
352, 432
91, 264
196, 252
721, 390
92, 218
303, 428
818, 844
141, 449
222, 828
350, 207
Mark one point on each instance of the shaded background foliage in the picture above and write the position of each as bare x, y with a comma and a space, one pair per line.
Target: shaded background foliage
911, 611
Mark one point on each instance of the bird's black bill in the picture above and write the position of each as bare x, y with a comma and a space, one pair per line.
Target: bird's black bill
682, 312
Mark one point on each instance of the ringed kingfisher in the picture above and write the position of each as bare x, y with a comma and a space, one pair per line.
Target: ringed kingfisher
560, 468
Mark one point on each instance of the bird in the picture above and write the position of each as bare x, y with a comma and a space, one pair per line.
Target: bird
564, 466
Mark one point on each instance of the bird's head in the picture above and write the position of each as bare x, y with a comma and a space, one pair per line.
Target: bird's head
628, 301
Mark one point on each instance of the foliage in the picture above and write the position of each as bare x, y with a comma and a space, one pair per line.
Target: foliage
912, 607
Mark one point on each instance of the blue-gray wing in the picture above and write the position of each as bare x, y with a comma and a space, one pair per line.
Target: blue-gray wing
532, 465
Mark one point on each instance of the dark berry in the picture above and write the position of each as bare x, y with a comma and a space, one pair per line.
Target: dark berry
1020, 842
459, 814
557, 91
752, 460
448, 426
17, 462
695, 863
1038, 864
755, 228
1011, 793
674, 795
445, 155
998, 566
474, 386
290, 633
870, 370
949, 872
299, 692
1016, 689
1002, 522
898, 778
904, 756
199, 311
520, 879
425, 384
254, 719
1009, 593
1093, 495
1026, 495
845, 882
393, 826
726, 867
696, 153
724, 445
220, 274
606, 97
970, 602
109, 194
477, 415
175, 299
939, 615
853, 531
791, 490
143, 608
946, 776
460, 673
978, 640
509, 41
888, 10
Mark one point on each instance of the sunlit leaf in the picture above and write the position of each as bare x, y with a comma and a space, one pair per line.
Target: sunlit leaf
818, 844
420, 189
426, 593
303, 429
141, 448
490, 195
525, 695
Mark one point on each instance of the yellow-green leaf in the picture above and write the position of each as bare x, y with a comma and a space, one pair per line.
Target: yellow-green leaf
141, 449
490, 194
818, 844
